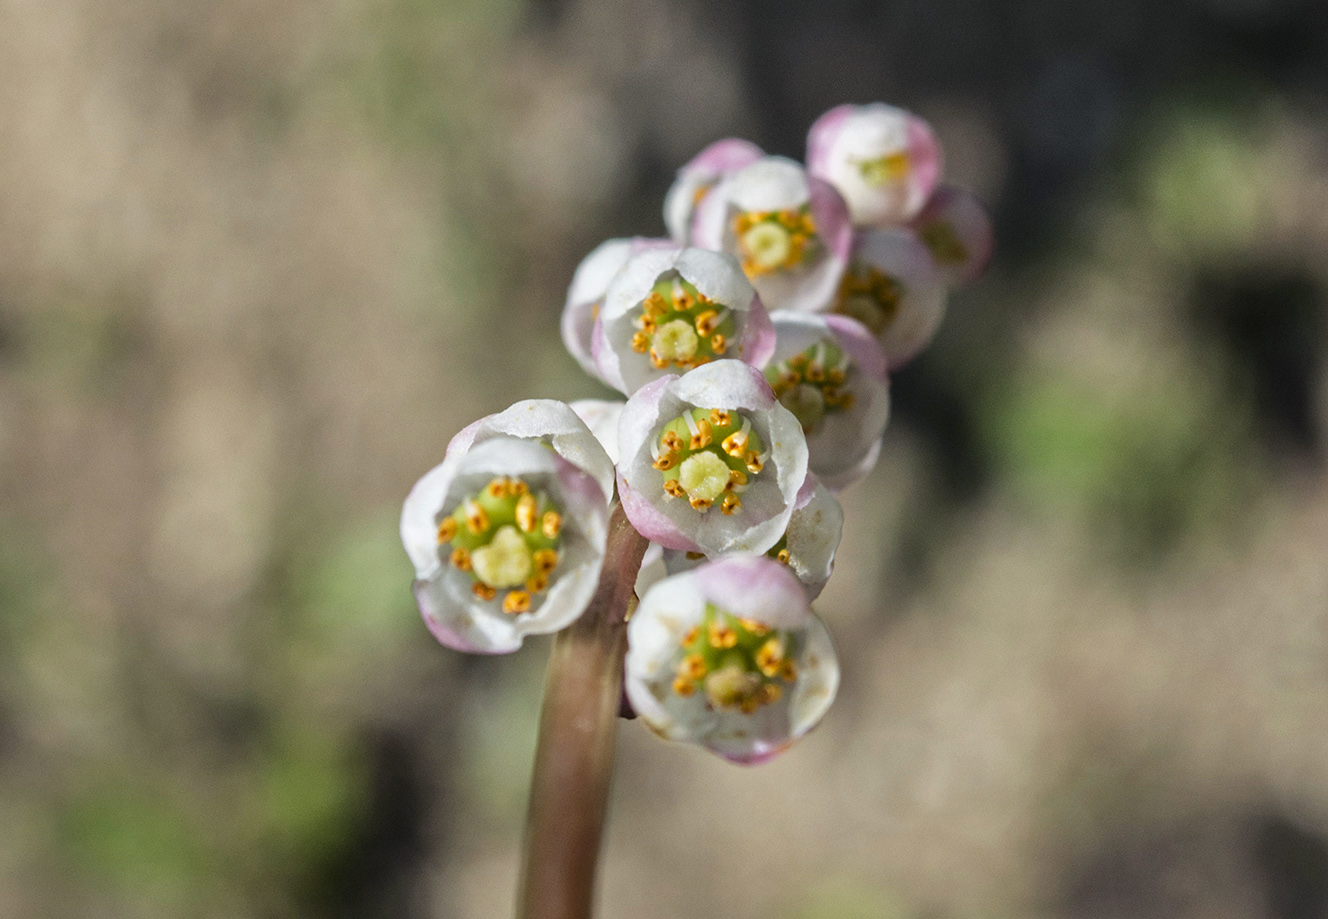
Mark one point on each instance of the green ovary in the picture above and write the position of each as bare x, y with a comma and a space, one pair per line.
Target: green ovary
681, 327
506, 561
708, 456
736, 663
810, 384
870, 296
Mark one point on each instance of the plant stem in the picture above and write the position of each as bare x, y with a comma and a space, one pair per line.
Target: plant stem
574, 758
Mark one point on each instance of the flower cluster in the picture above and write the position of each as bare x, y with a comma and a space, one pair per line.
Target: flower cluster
753, 346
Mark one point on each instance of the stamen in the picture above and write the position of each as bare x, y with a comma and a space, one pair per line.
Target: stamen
769, 693
754, 463
736, 443
537, 583
477, 518
693, 667
460, 559
700, 504
640, 342
497, 488
692, 634
737, 478
720, 418
671, 441
483, 591
683, 688
647, 324
721, 635
516, 601
545, 560
667, 461
691, 424
656, 361
701, 436
526, 513
551, 524
784, 556
770, 657
655, 304
756, 628
788, 671
447, 529
673, 490
731, 505
718, 343
517, 488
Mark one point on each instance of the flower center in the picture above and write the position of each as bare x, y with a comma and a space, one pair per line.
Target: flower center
870, 296
681, 327
507, 538
944, 243
884, 170
811, 384
738, 663
771, 241
707, 455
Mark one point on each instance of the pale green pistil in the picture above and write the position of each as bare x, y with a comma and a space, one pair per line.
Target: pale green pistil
504, 562
704, 476
675, 341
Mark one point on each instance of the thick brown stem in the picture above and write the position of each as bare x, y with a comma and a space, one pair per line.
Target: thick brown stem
574, 759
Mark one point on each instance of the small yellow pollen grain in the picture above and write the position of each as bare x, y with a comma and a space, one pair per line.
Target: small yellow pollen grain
783, 556
447, 529
718, 343
526, 512
460, 558
483, 591
545, 560
551, 524
477, 518
683, 687
721, 635
730, 505
516, 601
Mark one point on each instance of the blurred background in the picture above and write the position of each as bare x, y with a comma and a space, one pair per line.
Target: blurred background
260, 259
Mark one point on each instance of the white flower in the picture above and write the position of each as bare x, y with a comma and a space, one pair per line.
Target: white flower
883, 160
730, 656
668, 311
956, 229
830, 373
790, 232
710, 461
601, 417
507, 534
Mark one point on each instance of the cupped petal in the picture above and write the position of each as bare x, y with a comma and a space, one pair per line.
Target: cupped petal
601, 417
701, 174
957, 230
556, 424
730, 657
884, 160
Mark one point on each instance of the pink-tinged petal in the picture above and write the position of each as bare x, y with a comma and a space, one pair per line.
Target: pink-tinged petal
911, 322
857, 472
928, 161
754, 587
699, 175
758, 338
821, 137
833, 224
554, 423
954, 215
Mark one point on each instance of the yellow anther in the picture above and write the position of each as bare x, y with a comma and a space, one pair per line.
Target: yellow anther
736, 478
671, 442
693, 667
718, 343
783, 556
815, 372
526, 513
720, 418
788, 671
516, 601
770, 693
447, 529
756, 628
477, 518
698, 361
692, 635
945, 245
701, 438
655, 304
551, 524
483, 591
682, 300
667, 461
700, 504
640, 342
497, 488
545, 560
673, 489
537, 583
706, 322
754, 463
683, 687
770, 657
835, 376
659, 363
749, 704
798, 361
735, 444
721, 635
730, 505
516, 488
647, 324
460, 558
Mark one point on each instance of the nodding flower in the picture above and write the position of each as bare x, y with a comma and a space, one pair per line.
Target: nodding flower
957, 231
507, 534
790, 232
883, 160
730, 656
695, 180
710, 461
669, 311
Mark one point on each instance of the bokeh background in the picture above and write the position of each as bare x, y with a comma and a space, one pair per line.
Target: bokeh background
260, 259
